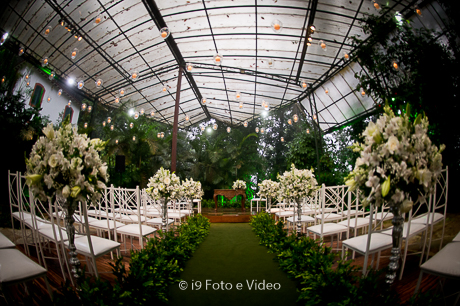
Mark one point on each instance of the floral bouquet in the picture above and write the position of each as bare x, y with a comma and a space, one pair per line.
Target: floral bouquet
297, 184
239, 184
66, 165
397, 163
268, 189
164, 184
192, 189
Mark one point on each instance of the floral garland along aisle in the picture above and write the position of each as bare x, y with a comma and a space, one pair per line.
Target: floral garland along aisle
65, 166
398, 165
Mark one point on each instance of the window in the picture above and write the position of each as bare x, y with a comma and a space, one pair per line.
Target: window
68, 111
37, 95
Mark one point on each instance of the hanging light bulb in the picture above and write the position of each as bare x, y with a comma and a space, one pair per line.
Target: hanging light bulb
377, 6
309, 39
214, 126
346, 56
122, 92
304, 84
103, 123
83, 107
136, 115
51, 76
47, 31
111, 127
257, 130
69, 103
187, 118
296, 118
159, 135
164, 32
152, 113
189, 67
282, 139
117, 99
28, 84
418, 11
218, 59
134, 138
395, 65
131, 125
262, 130
289, 121
99, 83
45, 61
3, 79
202, 128
162, 135
312, 29
164, 88
48, 99
322, 44
97, 20
21, 50
363, 93
27, 76
109, 120
134, 75
116, 141
59, 92
203, 100
80, 84
73, 55
308, 131
277, 26
142, 111
3, 39
85, 125
240, 105
228, 129
314, 117
245, 124
326, 91
79, 38
238, 96
90, 108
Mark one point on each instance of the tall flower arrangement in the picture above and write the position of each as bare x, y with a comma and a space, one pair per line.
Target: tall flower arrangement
268, 189
192, 189
164, 184
397, 163
239, 184
297, 184
66, 165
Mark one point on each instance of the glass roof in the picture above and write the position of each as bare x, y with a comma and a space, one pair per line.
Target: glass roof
256, 61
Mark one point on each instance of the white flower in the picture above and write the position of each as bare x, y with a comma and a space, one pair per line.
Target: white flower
53, 160
49, 131
393, 144
66, 191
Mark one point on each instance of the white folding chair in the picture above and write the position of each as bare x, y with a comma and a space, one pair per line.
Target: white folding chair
6, 243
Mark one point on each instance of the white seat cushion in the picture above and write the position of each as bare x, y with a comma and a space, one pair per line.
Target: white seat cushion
329, 216
381, 216
158, 221
5, 243
48, 233
456, 238
328, 228
285, 213
414, 229
303, 218
133, 229
15, 266
25, 215
103, 224
355, 222
446, 262
378, 242
100, 245
422, 220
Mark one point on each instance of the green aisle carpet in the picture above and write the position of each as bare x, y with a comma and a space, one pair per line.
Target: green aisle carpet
232, 258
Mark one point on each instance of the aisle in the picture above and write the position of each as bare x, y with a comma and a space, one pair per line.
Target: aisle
233, 269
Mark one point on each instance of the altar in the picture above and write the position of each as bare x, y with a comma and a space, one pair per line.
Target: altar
230, 194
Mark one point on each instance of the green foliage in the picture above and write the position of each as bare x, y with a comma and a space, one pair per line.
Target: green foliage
151, 270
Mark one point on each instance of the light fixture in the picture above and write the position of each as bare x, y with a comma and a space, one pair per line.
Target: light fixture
28, 84
3, 39
308, 131
134, 138
164, 88
61, 22
47, 31
59, 92
218, 59
111, 127
3, 79
109, 120
164, 32
142, 111
134, 75
48, 99
418, 11
203, 100
308, 43
346, 56
51, 76
90, 108
238, 96
245, 124
289, 121
187, 118
214, 126
45, 61
257, 130
395, 65
304, 84
310, 39
79, 38
83, 107
21, 50
162, 135
131, 125
240, 105
296, 118
262, 130
27, 76
326, 91
117, 99
80, 84
277, 26
158, 135
228, 129
122, 92
312, 29
97, 20
363, 93
377, 6
282, 139
69, 103
136, 115
99, 83
322, 44
189, 67
70, 81
152, 113
116, 141
103, 123
202, 128
314, 117
73, 55
85, 125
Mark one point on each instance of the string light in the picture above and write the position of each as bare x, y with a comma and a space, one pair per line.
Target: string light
131, 125
363, 93
164, 32
83, 107
214, 126
116, 141
21, 50
85, 125
111, 127
90, 108
109, 120
59, 92
187, 118
99, 83
48, 99
395, 65
203, 100
245, 124
134, 75
290, 122
282, 139
238, 96
51, 76
228, 129
296, 118
69, 103
240, 105
346, 56
152, 113
202, 128
304, 84
377, 6
103, 123
322, 44
45, 61
262, 130
277, 26
314, 117
73, 55
218, 59
134, 138
80, 84
308, 131
117, 99
97, 20
122, 92
189, 67
257, 130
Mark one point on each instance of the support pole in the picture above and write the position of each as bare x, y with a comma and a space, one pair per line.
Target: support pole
176, 123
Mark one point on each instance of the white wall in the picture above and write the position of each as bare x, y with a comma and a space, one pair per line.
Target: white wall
57, 103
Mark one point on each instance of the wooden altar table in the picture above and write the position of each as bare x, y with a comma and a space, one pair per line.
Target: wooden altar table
230, 194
